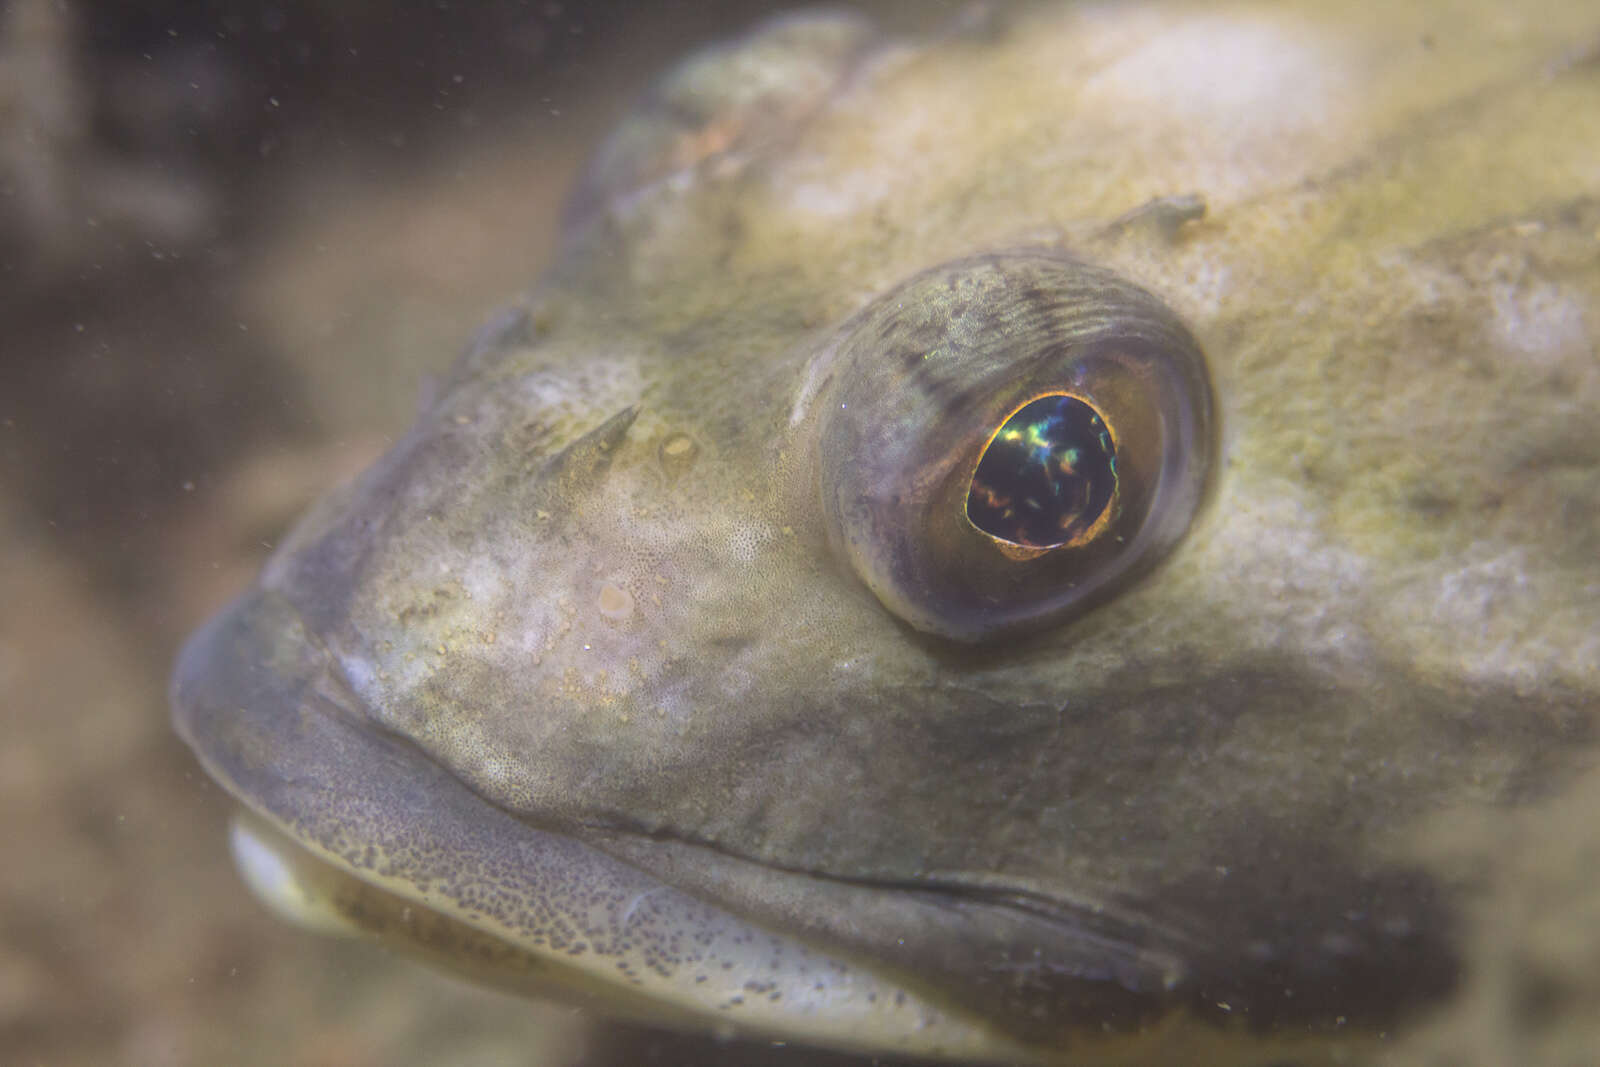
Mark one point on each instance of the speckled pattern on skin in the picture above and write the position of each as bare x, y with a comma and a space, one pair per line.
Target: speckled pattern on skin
529, 672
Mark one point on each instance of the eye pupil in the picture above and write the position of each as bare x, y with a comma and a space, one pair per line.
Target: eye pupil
1047, 477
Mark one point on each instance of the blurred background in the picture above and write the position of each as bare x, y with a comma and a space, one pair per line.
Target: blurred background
234, 240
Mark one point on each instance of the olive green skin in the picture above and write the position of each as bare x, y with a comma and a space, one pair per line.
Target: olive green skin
585, 642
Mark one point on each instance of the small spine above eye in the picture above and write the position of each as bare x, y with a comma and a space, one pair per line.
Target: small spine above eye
1010, 439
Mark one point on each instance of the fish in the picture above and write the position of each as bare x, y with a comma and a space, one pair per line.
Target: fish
997, 546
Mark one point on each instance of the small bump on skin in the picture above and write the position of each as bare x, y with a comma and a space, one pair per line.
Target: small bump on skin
614, 602
677, 454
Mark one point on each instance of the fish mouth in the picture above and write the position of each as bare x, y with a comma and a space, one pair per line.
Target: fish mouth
352, 829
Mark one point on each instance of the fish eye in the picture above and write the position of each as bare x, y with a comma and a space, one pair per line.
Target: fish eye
1009, 440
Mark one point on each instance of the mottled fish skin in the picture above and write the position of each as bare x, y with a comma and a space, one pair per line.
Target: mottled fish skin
660, 668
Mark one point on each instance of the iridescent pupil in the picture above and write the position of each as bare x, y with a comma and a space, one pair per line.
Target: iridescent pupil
1047, 476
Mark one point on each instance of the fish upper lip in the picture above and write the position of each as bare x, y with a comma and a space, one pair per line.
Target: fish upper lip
246, 686
212, 674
